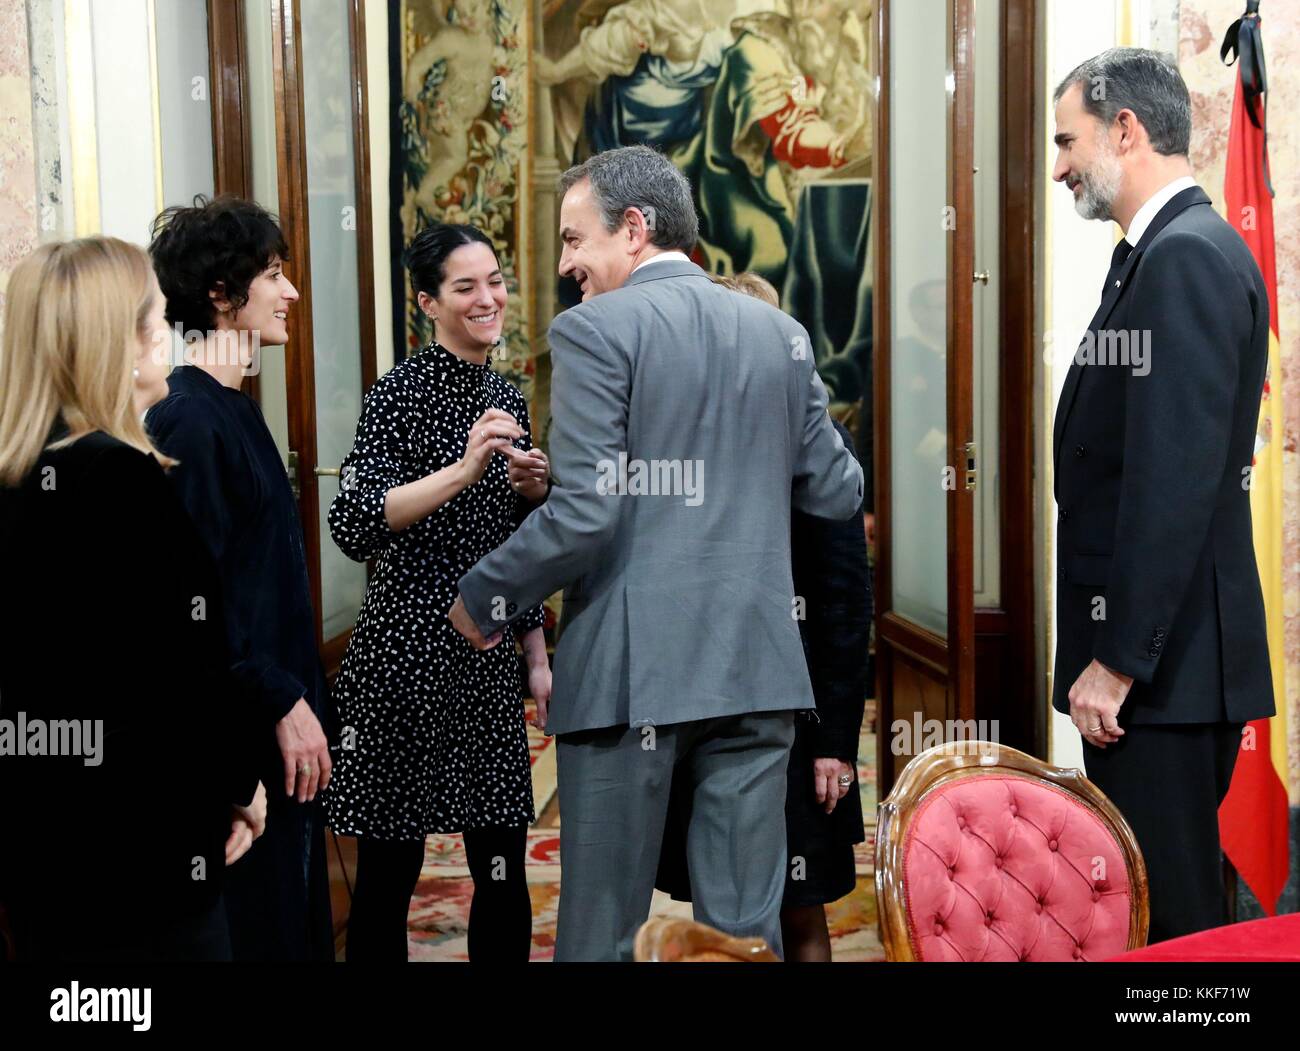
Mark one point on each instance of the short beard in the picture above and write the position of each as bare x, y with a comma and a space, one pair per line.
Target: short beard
1101, 185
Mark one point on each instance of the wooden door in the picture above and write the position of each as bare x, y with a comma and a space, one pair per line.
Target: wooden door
925, 456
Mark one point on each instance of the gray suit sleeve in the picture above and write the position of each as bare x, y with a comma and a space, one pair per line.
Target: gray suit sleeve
558, 542
827, 479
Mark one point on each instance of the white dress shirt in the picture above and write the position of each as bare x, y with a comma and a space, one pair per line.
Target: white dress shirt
662, 257
1152, 207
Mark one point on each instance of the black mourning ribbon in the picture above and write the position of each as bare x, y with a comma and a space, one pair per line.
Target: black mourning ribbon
1244, 40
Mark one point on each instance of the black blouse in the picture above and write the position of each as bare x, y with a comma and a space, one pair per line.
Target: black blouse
111, 611
234, 484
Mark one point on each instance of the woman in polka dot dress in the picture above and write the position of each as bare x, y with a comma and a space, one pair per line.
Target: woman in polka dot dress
434, 737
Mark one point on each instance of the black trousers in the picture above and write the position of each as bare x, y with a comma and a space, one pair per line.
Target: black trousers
500, 915
1168, 782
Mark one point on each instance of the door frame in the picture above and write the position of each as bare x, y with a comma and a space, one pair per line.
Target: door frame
1007, 634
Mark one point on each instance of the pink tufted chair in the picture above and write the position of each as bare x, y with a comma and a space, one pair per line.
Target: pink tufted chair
985, 853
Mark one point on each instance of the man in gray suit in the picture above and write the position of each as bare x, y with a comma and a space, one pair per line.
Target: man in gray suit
686, 420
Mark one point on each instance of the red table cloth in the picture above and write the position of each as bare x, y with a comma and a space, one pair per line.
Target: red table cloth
1275, 939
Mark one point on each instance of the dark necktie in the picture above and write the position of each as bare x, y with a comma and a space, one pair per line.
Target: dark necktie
1117, 261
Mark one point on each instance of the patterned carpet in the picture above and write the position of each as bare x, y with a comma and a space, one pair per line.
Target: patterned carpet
440, 908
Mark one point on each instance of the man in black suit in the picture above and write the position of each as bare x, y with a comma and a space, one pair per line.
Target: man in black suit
1162, 655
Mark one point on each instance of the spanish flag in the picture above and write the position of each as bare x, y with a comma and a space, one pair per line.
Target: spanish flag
1253, 817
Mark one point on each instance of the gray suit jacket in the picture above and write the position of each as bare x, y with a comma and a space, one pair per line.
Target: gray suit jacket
687, 419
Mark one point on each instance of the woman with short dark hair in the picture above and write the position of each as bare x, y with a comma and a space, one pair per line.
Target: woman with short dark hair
220, 264
435, 740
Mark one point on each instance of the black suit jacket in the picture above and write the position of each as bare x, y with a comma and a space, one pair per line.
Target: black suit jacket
1156, 573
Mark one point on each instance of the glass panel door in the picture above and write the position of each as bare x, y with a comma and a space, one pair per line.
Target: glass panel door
300, 106
921, 218
336, 312
987, 291
259, 40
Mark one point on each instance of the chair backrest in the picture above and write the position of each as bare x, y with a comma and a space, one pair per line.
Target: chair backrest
671, 939
986, 853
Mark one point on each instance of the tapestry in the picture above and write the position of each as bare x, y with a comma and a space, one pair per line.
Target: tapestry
459, 129
767, 106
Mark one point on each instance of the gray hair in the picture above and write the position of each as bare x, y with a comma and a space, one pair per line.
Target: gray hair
639, 177
1146, 82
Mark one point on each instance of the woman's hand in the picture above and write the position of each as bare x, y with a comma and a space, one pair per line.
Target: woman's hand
404, 505
539, 672
247, 823
305, 751
529, 472
539, 685
826, 781
494, 430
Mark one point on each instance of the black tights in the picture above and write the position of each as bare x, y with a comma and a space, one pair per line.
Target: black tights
500, 915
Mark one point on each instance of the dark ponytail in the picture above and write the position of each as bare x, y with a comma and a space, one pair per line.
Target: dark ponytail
425, 258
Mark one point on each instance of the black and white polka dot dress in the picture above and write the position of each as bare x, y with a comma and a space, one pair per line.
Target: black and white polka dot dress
433, 734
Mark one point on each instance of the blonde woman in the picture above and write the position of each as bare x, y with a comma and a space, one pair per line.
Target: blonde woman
120, 753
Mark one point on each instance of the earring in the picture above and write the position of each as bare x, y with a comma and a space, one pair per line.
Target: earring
135, 373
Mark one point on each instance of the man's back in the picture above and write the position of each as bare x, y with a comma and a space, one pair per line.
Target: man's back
689, 611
